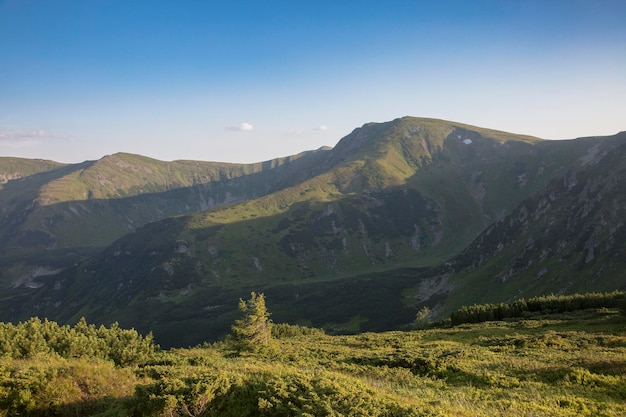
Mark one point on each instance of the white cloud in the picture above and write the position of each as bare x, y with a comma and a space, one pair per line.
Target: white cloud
321, 128
242, 127
21, 135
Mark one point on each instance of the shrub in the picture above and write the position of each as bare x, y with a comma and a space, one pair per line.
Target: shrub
124, 347
478, 313
285, 331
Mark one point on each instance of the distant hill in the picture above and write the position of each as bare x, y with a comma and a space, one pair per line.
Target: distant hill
396, 216
96, 202
16, 168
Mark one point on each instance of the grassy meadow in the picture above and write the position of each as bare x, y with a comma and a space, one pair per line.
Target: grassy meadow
539, 364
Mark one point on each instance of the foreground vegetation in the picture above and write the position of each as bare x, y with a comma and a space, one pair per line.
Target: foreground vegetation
557, 364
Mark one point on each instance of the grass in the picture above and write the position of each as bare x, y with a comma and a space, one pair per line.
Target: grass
569, 364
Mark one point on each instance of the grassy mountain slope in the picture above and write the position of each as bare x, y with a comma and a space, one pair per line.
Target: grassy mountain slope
396, 193
569, 237
349, 239
415, 196
93, 203
16, 168
73, 209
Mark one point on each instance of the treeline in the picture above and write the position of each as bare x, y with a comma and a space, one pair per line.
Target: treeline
34, 337
479, 313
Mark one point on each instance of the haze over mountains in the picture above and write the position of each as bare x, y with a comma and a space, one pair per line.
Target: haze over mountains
399, 215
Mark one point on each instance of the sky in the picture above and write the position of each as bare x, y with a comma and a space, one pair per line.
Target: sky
248, 81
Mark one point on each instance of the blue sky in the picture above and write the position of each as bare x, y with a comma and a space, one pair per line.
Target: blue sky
246, 81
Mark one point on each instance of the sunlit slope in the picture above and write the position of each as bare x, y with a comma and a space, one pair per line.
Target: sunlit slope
408, 192
16, 168
54, 216
94, 203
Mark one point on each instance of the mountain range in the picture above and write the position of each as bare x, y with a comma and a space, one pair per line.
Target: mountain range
397, 216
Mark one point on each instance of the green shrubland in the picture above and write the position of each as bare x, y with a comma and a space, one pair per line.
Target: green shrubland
551, 361
551, 304
35, 337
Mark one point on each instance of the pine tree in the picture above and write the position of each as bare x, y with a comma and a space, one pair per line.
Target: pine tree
253, 332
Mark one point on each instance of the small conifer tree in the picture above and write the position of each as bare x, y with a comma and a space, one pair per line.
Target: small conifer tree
421, 318
253, 332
